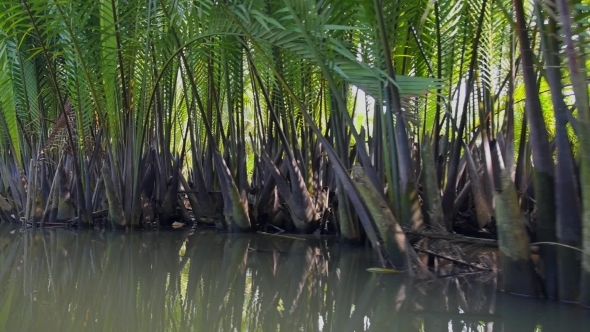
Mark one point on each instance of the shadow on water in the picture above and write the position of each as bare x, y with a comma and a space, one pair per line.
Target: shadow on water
60, 280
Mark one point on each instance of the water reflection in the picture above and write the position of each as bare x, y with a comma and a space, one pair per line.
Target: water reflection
61, 280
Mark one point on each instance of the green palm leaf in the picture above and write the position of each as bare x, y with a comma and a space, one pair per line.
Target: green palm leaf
7, 99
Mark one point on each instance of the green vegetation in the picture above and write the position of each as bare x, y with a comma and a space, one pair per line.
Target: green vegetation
248, 115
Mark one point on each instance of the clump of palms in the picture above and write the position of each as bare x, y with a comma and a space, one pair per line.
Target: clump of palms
147, 111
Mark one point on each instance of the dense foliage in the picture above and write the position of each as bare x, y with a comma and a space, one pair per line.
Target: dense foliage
376, 120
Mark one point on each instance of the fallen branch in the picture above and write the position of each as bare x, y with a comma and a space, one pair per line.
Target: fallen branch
282, 236
459, 274
454, 260
455, 238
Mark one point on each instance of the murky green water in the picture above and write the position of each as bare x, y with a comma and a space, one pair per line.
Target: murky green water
61, 280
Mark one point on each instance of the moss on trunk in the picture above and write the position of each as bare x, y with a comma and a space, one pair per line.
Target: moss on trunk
513, 241
432, 199
394, 239
116, 215
235, 207
147, 210
483, 208
6, 210
65, 206
349, 230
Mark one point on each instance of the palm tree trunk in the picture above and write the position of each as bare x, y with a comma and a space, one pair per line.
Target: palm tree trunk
393, 236
410, 210
432, 199
513, 242
578, 77
451, 186
542, 158
116, 215
566, 193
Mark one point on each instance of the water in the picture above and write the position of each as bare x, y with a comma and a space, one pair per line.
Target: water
63, 280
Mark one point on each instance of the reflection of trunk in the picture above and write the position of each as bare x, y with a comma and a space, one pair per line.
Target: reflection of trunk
28, 254
267, 285
79, 259
235, 257
490, 290
387, 305
292, 265
367, 300
141, 274
461, 301
113, 261
436, 301
299, 276
164, 259
348, 279
206, 253
195, 271
409, 299
528, 313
